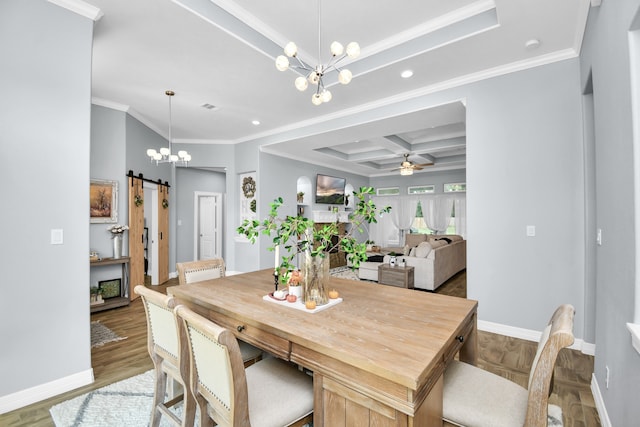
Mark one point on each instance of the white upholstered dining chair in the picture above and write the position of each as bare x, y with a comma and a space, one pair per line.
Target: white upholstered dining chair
269, 393
169, 360
207, 269
197, 271
476, 398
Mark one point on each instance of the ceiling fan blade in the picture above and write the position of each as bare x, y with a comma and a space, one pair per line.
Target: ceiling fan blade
425, 164
416, 167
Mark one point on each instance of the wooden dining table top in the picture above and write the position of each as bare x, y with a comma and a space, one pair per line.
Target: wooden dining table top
397, 334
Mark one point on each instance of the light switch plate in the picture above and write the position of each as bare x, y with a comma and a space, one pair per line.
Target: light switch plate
57, 236
531, 230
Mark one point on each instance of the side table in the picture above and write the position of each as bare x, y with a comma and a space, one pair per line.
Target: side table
395, 276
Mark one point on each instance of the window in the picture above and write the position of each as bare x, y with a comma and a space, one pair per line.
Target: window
392, 191
456, 187
420, 226
422, 189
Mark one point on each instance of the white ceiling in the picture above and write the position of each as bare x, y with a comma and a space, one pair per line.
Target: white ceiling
222, 52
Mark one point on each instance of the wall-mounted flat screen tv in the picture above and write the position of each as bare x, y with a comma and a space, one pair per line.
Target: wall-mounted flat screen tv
330, 190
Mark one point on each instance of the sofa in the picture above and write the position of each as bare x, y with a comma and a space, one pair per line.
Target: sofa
435, 258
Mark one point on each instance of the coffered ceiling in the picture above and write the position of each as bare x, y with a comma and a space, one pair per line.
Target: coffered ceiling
218, 56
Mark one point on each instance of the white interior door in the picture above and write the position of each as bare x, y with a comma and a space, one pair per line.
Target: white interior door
208, 222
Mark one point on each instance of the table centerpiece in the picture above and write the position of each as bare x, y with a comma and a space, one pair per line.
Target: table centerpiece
299, 236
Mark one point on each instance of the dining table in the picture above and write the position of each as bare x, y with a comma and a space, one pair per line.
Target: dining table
377, 353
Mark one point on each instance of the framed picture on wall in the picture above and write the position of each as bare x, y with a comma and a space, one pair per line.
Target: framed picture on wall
103, 201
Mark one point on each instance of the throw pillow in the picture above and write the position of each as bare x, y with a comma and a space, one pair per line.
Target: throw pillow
438, 243
376, 258
413, 239
423, 250
412, 252
406, 250
446, 239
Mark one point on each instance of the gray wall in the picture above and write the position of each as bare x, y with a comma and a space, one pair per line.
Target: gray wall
45, 133
606, 56
190, 180
108, 144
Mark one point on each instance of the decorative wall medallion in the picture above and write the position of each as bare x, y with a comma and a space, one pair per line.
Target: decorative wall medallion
248, 187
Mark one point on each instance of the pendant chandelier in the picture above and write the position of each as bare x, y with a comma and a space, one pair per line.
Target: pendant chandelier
165, 155
315, 75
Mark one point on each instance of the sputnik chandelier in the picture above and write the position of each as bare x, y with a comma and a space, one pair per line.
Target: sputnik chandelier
165, 155
315, 75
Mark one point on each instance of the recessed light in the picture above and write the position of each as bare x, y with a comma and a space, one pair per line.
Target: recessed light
406, 74
255, 122
532, 44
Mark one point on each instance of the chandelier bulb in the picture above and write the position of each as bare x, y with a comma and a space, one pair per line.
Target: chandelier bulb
353, 50
314, 77
282, 63
291, 49
151, 152
187, 158
345, 76
165, 151
326, 96
301, 84
182, 154
157, 156
316, 99
173, 158
337, 49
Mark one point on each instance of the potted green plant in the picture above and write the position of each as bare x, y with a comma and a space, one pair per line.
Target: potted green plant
369, 244
299, 235
300, 196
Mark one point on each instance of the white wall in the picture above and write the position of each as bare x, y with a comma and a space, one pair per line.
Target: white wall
45, 133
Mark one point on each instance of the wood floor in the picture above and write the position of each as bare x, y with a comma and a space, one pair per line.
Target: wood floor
509, 357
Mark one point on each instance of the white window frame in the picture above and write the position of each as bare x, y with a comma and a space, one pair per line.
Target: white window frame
388, 191
421, 189
444, 187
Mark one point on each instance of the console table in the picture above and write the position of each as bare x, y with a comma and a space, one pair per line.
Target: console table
123, 299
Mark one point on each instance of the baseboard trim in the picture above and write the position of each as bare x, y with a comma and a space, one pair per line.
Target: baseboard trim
530, 335
597, 397
44, 391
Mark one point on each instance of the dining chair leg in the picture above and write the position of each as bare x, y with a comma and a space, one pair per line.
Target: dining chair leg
158, 396
189, 416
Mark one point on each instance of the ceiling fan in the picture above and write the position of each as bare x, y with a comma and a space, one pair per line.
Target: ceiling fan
407, 167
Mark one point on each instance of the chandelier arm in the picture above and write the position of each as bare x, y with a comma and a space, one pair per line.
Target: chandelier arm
302, 65
334, 61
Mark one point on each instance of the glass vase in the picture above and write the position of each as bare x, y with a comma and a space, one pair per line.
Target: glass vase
315, 270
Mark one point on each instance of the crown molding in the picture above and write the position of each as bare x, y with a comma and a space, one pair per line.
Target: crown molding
110, 104
80, 7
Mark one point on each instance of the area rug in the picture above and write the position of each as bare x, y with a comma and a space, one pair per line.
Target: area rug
344, 273
125, 403
128, 403
554, 416
100, 335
